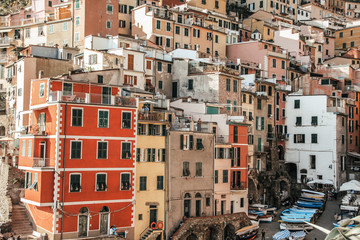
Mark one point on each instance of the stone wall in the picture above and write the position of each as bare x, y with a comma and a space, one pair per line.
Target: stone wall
214, 227
5, 202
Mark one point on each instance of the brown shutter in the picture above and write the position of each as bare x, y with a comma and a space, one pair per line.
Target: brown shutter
130, 62
135, 80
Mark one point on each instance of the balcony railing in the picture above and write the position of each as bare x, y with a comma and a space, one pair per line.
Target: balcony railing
92, 98
270, 136
283, 136
5, 41
34, 130
41, 162
152, 116
241, 186
222, 139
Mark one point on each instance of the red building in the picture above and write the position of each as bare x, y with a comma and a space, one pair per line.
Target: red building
78, 158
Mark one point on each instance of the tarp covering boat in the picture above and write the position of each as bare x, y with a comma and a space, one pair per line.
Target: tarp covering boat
282, 235
352, 185
298, 235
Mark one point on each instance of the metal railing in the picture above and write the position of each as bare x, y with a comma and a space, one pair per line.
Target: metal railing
92, 98
242, 186
5, 41
35, 129
152, 116
41, 162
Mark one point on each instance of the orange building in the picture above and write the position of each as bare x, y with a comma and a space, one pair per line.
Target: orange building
238, 139
78, 158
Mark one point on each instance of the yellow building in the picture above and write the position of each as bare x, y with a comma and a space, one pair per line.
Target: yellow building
150, 172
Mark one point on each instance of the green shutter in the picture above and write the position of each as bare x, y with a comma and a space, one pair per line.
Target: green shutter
262, 123
294, 138
181, 141
191, 142
257, 123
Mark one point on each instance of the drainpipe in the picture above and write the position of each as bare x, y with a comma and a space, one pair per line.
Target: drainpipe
214, 213
168, 189
63, 176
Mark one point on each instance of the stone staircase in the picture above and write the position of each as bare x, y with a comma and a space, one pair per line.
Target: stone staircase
20, 222
150, 234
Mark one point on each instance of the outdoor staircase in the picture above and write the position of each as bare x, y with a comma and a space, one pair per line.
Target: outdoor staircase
20, 222
151, 234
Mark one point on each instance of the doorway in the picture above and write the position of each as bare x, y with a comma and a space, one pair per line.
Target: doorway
153, 214
83, 222
104, 220
174, 89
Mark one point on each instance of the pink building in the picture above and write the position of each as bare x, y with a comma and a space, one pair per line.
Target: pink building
273, 59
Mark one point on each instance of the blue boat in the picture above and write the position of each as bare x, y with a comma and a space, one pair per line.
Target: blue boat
302, 210
307, 199
309, 204
259, 213
287, 212
295, 219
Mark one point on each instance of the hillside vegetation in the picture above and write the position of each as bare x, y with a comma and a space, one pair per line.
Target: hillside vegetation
8, 6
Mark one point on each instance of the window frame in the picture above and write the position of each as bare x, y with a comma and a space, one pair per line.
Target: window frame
108, 117
72, 115
71, 148
97, 149
142, 177
121, 152
125, 173
96, 180
122, 120
70, 182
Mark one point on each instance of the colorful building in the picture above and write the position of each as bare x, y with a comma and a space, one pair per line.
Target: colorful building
79, 182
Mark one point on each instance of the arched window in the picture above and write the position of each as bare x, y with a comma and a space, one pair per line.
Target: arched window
198, 195
84, 210
187, 195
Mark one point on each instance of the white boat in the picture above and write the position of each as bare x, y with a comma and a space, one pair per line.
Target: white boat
312, 192
295, 226
265, 218
349, 208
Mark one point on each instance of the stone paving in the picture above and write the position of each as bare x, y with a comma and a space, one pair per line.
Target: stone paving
325, 220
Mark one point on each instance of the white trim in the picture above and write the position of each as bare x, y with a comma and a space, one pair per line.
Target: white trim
48, 169
82, 116
238, 168
105, 181
99, 202
82, 137
131, 119
239, 144
36, 203
41, 106
71, 141
108, 121
70, 181
96, 169
107, 149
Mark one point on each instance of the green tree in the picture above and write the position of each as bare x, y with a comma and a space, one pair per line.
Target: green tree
7, 6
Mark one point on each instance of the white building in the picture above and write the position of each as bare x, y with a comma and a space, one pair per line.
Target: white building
317, 137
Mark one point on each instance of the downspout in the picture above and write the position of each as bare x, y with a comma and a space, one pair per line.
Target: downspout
63, 176
214, 213
168, 189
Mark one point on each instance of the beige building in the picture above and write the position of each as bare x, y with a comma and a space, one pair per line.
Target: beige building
190, 173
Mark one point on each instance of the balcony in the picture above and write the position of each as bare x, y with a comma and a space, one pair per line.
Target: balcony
155, 116
3, 58
5, 41
41, 162
241, 186
38, 130
92, 98
261, 94
337, 110
283, 136
222, 139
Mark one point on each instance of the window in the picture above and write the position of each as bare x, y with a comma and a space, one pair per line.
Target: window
92, 59
168, 26
109, 8
314, 120
186, 32
168, 42
179, 20
216, 39
65, 26
42, 90
259, 104
160, 182
190, 84
199, 145
235, 83
284, 97
77, 21
203, 2
169, 68
177, 30
344, 45
299, 138
298, 121
216, 176
216, 4
186, 169
160, 84
244, 98
126, 120
75, 152
312, 161
75, 184
352, 44
125, 150
142, 183
341, 34
77, 4
27, 32
234, 107
101, 182
274, 63
102, 149
122, 24
282, 64
34, 185
23, 148
108, 24
241, 202
225, 176
51, 28
208, 36
76, 118
125, 181
199, 169
158, 41
103, 119
228, 84
77, 37
29, 148
296, 103
159, 66
207, 202
342, 139
158, 24
314, 138
122, 8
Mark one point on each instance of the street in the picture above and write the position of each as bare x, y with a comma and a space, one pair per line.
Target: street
325, 220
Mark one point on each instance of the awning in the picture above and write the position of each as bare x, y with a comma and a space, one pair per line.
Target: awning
5, 30
354, 154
